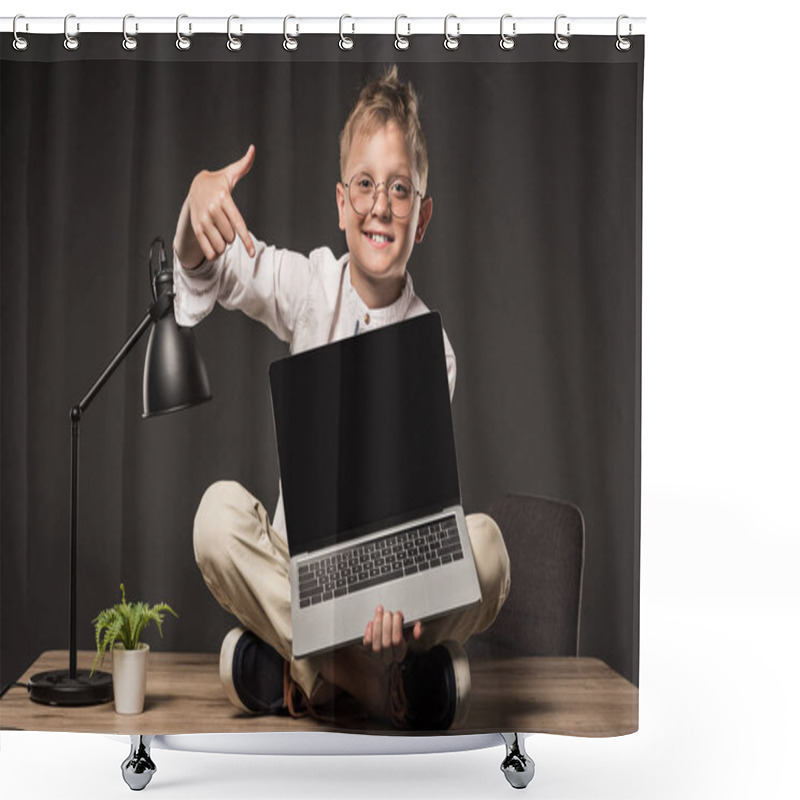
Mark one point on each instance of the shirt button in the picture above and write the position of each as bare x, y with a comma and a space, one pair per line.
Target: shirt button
366, 319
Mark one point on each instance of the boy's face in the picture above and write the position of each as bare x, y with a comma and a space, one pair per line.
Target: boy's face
380, 243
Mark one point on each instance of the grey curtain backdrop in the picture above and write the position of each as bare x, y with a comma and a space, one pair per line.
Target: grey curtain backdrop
532, 257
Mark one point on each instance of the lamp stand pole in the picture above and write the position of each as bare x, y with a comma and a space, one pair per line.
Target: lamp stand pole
71, 687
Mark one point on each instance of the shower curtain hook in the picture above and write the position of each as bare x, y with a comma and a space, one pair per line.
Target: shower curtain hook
345, 42
70, 42
20, 42
507, 42
234, 43
561, 42
401, 42
129, 42
451, 42
182, 43
623, 44
289, 43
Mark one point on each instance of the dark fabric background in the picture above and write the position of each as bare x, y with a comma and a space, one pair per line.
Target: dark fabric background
532, 257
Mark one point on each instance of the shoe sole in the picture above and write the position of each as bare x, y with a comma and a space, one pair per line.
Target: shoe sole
463, 678
226, 653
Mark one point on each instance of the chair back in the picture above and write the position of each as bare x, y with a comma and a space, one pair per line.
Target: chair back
545, 543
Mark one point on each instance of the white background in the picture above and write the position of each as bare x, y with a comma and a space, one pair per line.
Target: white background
720, 440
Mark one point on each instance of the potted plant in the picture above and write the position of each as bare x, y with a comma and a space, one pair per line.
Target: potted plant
120, 628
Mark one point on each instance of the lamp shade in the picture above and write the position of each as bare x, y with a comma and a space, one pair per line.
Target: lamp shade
175, 376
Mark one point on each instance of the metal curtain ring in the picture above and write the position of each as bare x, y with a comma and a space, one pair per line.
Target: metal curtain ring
20, 42
451, 42
623, 44
70, 42
561, 42
182, 43
289, 43
507, 42
401, 42
128, 42
234, 43
345, 42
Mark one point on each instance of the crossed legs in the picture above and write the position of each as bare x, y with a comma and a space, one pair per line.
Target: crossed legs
245, 564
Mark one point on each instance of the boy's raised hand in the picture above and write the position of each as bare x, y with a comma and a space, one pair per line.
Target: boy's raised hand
209, 218
385, 637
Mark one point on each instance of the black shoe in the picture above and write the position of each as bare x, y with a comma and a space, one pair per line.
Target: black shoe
431, 691
252, 673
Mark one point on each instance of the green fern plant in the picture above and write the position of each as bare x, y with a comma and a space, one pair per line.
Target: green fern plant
124, 623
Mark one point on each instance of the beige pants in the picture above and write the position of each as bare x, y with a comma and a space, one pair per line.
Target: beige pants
245, 564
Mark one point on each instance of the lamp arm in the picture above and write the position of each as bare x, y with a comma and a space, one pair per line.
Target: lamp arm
157, 309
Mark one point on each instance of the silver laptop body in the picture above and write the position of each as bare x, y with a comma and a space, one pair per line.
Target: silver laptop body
370, 484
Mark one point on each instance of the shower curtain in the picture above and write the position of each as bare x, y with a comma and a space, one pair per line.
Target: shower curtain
532, 257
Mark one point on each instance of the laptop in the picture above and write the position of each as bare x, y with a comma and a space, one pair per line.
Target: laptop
370, 483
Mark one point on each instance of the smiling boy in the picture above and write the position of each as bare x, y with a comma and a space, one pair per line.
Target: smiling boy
416, 677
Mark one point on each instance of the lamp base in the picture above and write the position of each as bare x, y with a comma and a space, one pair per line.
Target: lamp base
56, 688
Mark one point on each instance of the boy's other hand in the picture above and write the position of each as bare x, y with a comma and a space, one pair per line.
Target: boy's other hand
385, 637
210, 220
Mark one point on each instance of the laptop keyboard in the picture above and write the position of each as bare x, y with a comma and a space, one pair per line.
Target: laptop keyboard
380, 560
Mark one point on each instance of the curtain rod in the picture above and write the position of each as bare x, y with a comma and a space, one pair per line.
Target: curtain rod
347, 25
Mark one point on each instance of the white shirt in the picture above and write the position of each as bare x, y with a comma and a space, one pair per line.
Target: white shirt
305, 301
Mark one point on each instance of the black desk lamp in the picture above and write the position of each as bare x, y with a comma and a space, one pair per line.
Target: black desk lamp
174, 378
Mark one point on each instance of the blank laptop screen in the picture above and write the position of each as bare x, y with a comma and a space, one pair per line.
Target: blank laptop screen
365, 433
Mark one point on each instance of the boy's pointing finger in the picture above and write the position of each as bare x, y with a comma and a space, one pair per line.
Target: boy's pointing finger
239, 225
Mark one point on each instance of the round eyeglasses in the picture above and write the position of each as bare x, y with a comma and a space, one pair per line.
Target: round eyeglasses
363, 193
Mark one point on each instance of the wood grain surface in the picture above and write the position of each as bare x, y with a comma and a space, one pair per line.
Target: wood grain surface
572, 696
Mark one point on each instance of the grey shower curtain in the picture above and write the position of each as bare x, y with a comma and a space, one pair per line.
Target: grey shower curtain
532, 258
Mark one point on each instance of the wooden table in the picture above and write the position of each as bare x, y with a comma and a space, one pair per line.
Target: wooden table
574, 696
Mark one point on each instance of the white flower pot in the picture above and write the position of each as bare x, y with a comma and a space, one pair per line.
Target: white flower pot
130, 678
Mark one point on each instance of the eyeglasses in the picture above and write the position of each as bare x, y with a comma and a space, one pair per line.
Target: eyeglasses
363, 193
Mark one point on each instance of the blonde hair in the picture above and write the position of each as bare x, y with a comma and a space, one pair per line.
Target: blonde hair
384, 100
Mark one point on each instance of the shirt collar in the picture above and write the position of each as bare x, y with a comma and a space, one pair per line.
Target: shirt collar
378, 316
